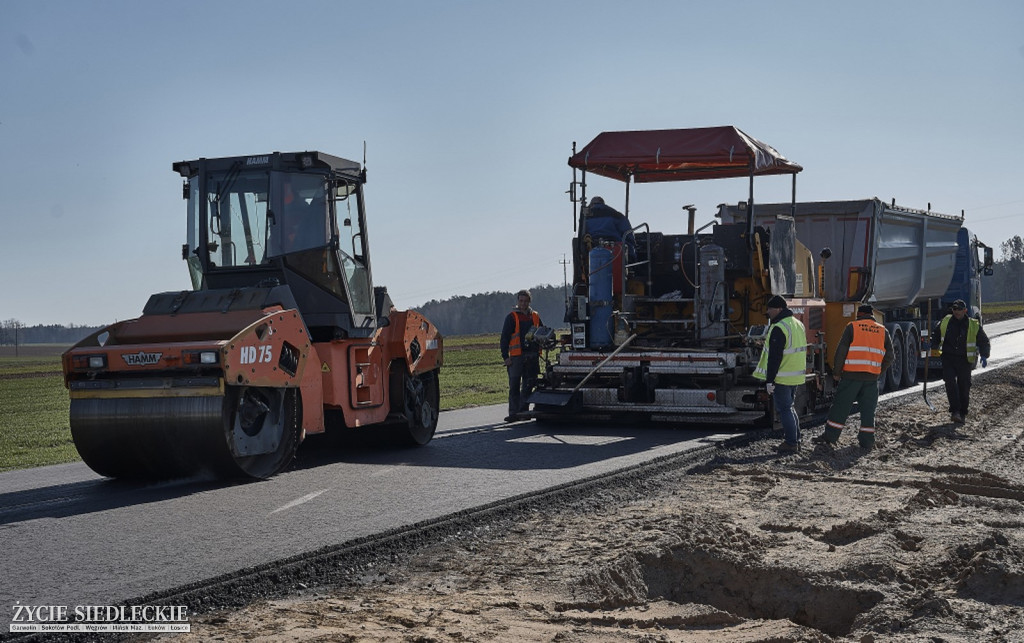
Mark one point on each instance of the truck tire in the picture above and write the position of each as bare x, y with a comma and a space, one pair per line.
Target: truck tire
911, 354
894, 374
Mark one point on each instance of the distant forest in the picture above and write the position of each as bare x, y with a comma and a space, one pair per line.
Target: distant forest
13, 332
460, 315
485, 312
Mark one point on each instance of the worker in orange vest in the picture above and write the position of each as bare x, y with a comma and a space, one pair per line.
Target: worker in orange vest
520, 354
863, 354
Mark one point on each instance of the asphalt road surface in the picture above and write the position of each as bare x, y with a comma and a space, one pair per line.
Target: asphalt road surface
70, 537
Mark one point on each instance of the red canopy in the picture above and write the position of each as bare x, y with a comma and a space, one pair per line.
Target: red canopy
680, 155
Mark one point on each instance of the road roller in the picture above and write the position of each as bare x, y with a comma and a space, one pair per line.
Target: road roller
282, 335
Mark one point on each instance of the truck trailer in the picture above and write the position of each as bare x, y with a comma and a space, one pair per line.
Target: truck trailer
669, 326
909, 264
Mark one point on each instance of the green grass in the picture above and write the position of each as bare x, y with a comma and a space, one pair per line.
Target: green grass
989, 308
473, 374
34, 428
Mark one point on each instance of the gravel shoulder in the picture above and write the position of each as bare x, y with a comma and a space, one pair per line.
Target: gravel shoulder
920, 539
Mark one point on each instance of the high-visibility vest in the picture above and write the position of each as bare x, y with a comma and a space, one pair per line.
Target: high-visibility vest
514, 346
972, 336
867, 347
793, 369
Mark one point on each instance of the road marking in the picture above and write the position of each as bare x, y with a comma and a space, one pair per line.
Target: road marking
295, 503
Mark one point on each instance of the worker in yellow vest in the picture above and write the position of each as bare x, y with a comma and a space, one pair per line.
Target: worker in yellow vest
961, 340
783, 367
863, 354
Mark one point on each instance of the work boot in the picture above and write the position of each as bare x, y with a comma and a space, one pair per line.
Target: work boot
823, 439
956, 418
788, 447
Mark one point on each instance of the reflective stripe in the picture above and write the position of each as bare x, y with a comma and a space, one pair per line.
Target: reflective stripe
793, 369
972, 336
867, 347
514, 347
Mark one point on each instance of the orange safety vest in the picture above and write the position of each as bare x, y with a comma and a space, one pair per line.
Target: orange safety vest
867, 347
514, 347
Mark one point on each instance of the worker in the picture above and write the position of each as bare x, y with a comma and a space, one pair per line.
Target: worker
960, 339
520, 354
605, 223
304, 221
863, 354
782, 366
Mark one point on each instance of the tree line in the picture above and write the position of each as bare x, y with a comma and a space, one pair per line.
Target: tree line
485, 313
15, 333
1007, 280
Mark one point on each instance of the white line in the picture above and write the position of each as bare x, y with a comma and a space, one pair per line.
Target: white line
299, 501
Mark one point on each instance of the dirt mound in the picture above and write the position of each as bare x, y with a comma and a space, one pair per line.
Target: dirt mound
919, 539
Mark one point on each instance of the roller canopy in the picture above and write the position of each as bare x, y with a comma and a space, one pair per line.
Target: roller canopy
680, 155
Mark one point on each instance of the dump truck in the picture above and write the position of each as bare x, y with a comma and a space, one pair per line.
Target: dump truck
282, 335
668, 326
909, 264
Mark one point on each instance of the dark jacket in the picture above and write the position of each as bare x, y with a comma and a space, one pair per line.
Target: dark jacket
955, 342
605, 222
776, 346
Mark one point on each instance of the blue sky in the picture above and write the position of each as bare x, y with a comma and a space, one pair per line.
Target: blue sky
469, 111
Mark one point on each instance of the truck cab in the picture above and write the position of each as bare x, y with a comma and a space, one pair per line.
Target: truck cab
973, 259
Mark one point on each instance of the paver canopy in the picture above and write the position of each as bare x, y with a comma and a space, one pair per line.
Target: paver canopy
680, 155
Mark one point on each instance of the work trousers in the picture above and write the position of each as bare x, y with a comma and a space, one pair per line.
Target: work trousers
956, 374
783, 398
522, 379
865, 394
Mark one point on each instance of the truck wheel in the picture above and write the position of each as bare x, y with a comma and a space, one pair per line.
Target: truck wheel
894, 375
422, 402
911, 355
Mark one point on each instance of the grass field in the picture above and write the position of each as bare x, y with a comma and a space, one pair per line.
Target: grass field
34, 428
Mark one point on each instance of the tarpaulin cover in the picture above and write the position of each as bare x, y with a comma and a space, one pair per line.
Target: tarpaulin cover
680, 155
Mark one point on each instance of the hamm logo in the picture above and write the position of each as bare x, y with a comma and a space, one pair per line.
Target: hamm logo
141, 358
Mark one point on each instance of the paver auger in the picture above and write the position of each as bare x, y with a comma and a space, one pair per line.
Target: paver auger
283, 334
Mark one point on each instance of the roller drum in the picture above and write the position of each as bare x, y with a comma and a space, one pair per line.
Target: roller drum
245, 433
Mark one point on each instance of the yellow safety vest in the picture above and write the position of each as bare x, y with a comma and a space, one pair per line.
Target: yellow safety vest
972, 336
793, 369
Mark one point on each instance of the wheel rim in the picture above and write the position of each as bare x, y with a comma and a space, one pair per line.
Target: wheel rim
895, 376
263, 429
421, 406
911, 355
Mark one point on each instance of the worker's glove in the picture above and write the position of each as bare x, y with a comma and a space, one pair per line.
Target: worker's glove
984, 362
770, 387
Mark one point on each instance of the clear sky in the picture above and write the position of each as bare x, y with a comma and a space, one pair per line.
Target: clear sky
469, 110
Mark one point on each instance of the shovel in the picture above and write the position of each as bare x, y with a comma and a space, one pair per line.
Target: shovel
928, 358
563, 398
